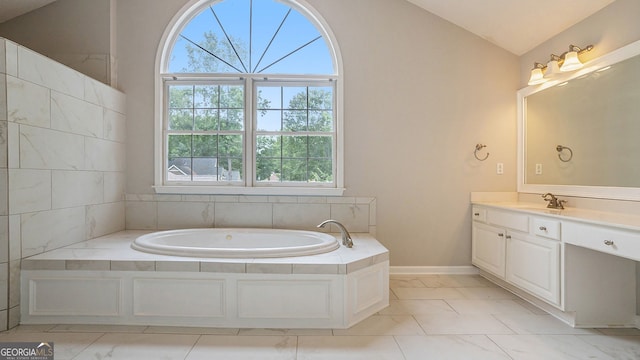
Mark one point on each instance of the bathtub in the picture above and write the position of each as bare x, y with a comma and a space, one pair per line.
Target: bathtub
236, 243
105, 281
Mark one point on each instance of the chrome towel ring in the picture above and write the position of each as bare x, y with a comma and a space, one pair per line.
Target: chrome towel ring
478, 148
560, 149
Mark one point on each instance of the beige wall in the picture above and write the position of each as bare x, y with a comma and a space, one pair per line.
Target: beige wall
419, 94
76, 33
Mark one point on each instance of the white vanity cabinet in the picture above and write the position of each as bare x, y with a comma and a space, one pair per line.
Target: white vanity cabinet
578, 265
521, 249
488, 249
533, 264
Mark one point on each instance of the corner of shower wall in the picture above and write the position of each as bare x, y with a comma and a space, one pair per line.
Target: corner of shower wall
4, 205
62, 163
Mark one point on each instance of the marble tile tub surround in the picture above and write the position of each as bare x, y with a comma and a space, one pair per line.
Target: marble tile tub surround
114, 253
138, 287
162, 212
62, 161
417, 325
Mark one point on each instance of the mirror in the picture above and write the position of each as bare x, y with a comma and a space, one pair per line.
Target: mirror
580, 133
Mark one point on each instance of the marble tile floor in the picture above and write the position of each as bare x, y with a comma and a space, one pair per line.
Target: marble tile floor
429, 317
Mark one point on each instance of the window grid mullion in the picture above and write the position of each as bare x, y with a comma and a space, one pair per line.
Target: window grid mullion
250, 129
281, 129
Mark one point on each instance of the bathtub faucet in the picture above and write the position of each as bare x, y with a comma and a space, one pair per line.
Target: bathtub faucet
346, 237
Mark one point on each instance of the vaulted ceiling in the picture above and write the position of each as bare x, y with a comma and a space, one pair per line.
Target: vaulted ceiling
515, 25
13, 8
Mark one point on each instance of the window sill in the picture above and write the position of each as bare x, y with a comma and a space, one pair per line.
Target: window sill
235, 190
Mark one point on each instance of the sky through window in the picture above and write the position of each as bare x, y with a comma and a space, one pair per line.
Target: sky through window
250, 36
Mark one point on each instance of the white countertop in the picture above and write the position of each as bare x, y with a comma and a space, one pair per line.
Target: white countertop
604, 218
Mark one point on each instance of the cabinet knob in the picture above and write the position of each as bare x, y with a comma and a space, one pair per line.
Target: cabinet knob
608, 242
508, 237
543, 228
476, 214
501, 234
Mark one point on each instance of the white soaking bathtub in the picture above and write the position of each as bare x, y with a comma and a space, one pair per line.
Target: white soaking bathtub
236, 243
106, 281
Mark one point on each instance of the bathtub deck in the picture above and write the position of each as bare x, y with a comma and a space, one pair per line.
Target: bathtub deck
104, 281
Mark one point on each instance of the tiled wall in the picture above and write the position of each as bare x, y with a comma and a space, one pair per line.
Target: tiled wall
159, 212
62, 162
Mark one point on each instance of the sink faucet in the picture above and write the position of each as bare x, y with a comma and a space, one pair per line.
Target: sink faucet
554, 202
346, 237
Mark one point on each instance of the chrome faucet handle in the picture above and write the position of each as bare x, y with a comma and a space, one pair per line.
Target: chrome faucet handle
551, 197
561, 204
553, 201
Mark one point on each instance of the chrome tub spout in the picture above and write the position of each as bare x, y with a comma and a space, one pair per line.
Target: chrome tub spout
346, 237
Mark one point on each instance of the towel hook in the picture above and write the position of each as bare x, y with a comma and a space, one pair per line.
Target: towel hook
560, 149
478, 148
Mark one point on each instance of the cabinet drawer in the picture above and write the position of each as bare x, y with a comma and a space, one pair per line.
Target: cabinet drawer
511, 220
612, 241
479, 214
546, 228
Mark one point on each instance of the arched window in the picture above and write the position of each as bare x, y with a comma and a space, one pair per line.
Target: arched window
248, 101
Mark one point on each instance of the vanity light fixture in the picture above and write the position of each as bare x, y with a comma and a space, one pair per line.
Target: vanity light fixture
537, 77
571, 60
568, 61
553, 67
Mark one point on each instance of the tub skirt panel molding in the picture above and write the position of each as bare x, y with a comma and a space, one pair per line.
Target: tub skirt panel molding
204, 299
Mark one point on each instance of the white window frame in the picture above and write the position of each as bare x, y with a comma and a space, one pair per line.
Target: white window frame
251, 187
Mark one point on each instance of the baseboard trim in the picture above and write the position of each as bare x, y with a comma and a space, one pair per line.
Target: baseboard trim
433, 270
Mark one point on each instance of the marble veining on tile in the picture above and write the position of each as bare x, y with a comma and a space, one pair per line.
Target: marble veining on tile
27, 103
53, 229
72, 115
103, 95
30, 190
41, 70
49, 149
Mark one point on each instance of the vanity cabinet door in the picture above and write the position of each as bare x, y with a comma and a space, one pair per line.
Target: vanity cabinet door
533, 264
488, 248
